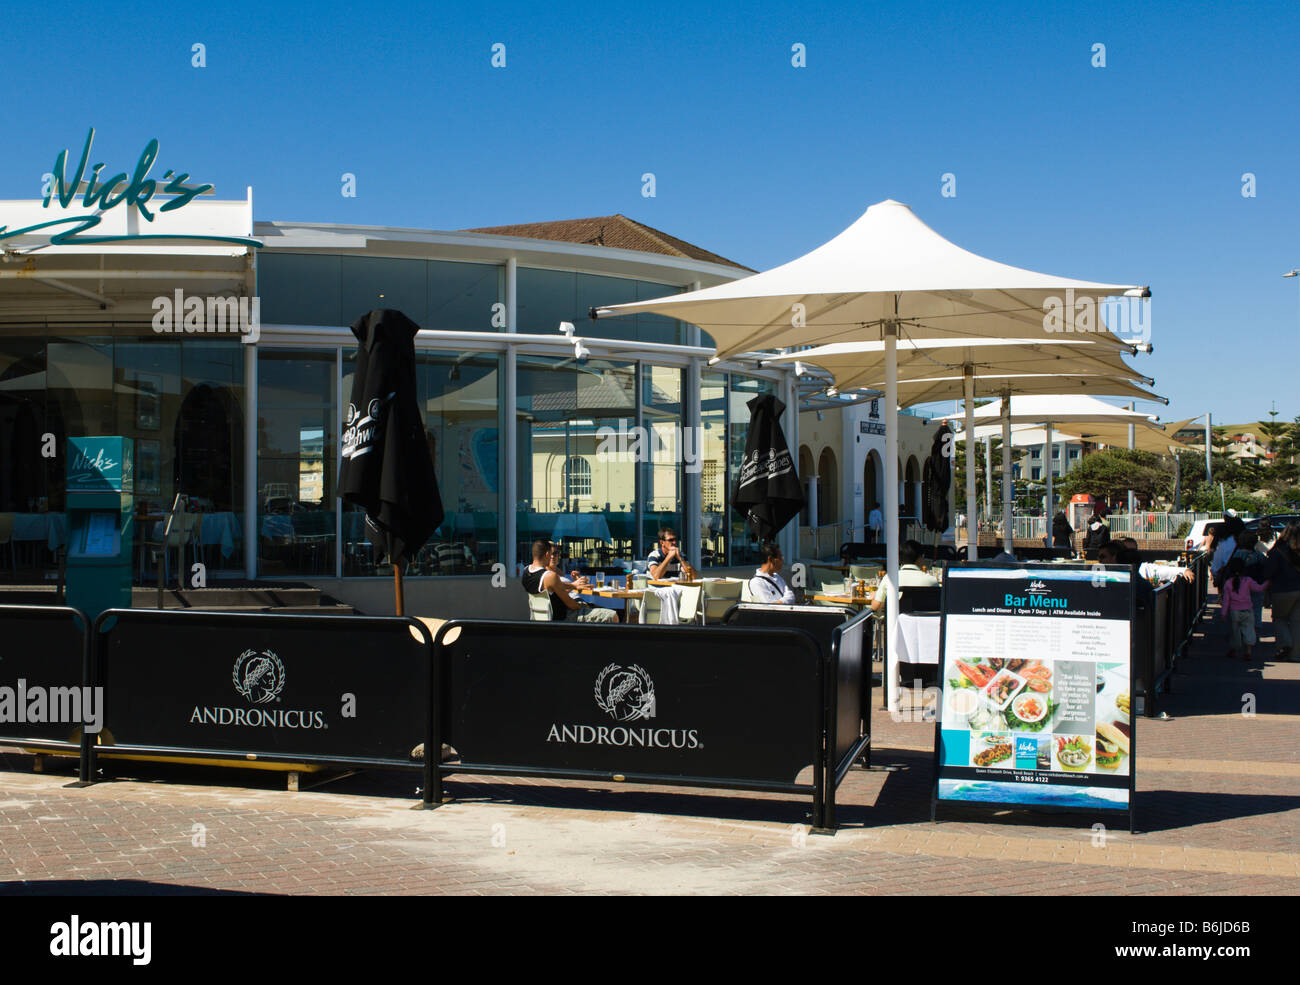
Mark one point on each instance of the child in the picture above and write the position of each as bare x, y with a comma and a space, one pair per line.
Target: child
1237, 609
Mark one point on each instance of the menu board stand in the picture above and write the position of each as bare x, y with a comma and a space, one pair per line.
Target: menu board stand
1036, 678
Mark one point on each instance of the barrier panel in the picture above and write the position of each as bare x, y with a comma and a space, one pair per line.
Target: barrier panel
744, 709
44, 677
283, 688
850, 721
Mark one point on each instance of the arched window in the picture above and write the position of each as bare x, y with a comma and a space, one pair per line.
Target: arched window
577, 478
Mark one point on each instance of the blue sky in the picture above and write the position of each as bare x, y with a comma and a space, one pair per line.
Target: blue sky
1128, 173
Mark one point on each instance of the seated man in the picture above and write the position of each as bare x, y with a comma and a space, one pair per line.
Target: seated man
767, 585
543, 576
666, 561
910, 575
1114, 552
1152, 571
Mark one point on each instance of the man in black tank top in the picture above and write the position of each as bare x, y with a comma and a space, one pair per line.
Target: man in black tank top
544, 576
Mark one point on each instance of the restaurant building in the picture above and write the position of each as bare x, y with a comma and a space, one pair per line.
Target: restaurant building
597, 440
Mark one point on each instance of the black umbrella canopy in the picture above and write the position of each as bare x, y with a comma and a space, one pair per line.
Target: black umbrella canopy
768, 490
387, 469
936, 475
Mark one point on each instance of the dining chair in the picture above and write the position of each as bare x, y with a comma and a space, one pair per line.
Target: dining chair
539, 606
719, 596
649, 608
864, 572
688, 604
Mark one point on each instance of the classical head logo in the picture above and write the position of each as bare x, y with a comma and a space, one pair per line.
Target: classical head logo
258, 676
625, 693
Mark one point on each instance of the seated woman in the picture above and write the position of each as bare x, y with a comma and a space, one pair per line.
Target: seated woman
910, 574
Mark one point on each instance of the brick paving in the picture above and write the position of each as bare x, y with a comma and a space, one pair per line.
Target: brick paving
1218, 813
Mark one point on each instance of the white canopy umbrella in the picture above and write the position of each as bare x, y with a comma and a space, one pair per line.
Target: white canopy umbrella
887, 276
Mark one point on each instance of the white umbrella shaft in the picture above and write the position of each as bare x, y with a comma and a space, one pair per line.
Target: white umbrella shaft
891, 512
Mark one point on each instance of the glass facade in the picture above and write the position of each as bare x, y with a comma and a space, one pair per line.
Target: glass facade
181, 402
604, 450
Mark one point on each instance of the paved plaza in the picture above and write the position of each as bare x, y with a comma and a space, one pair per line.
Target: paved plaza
1218, 813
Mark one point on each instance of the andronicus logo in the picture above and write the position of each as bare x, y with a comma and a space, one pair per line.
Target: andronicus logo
182, 314
628, 443
258, 676
1128, 318
626, 694
38, 705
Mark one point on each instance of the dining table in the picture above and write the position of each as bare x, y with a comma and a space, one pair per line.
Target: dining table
615, 593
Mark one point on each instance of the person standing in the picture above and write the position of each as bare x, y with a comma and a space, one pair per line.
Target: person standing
1062, 532
1282, 569
1236, 607
875, 525
1098, 535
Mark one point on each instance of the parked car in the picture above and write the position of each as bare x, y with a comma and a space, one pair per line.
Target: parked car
1198, 533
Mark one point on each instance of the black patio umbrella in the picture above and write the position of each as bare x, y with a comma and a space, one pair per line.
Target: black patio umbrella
767, 490
936, 474
387, 469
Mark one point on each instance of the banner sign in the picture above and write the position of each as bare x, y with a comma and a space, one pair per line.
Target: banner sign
45, 698
1037, 686
296, 688
733, 705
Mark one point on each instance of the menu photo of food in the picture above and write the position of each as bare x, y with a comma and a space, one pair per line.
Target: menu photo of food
1114, 725
992, 694
992, 749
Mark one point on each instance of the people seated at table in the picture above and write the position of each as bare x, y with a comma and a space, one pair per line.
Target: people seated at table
910, 574
767, 585
666, 561
543, 575
1156, 572
1115, 552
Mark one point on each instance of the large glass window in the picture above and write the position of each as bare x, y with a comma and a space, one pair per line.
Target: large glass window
458, 397
661, 466
297, 420
587, 411
548, 297
715, 531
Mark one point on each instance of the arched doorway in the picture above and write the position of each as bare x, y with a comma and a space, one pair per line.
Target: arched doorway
872, 475
828, 486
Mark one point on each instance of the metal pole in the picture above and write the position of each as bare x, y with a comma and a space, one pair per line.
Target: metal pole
1209, 472
972, 506
891, 512
509, 465
1007, 487
1131, 406
988, 478
1047, 513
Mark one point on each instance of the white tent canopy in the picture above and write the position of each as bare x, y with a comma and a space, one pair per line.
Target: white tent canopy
1077, 408
889, 277
888, 266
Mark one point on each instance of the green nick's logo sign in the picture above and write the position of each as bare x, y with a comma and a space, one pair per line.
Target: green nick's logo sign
102, 194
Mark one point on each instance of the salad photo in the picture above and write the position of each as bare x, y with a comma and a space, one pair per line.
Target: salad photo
1074, 753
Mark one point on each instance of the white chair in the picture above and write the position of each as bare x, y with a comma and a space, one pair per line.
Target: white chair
719, 596
745, 594
649, 607
539, 606
688, 605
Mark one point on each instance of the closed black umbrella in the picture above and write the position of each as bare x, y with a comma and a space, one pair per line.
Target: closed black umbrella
936, 474
768, 490
387, 469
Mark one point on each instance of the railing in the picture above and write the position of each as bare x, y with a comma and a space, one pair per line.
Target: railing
824, 542
1151, 525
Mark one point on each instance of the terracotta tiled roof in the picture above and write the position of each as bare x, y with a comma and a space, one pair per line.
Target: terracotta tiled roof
615, 231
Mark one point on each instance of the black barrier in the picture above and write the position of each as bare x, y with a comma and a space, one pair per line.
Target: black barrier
282, 688
849, 739
818, 621
743, 709
45, 680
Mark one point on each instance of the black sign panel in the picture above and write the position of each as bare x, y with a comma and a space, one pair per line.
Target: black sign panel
288, 687
43, 698
1037, 675
657, 701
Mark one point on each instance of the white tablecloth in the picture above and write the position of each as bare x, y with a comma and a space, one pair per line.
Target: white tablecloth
918, 639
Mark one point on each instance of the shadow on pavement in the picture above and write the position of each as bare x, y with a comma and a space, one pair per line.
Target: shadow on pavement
110, 887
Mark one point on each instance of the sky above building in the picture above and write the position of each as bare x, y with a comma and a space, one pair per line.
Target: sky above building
1166, 157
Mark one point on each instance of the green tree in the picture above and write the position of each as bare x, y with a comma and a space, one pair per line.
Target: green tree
1111, 472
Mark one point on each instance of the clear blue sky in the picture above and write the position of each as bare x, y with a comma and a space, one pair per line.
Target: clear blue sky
1128, 173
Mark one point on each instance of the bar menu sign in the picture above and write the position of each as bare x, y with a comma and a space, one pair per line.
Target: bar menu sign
1037, 687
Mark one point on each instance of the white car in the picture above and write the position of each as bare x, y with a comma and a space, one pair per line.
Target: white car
1198, 533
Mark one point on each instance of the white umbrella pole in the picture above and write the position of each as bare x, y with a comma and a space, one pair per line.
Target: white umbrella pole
1007, 489
891, 513
1048, 512
972, 507
1131, 406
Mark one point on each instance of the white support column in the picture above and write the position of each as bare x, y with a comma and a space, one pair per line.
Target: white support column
788, 538
693, 507
1008, 487
891, 511
812, 500
252, 508
1131, 436
1051, 451
509, 502
972, 504
988, 478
